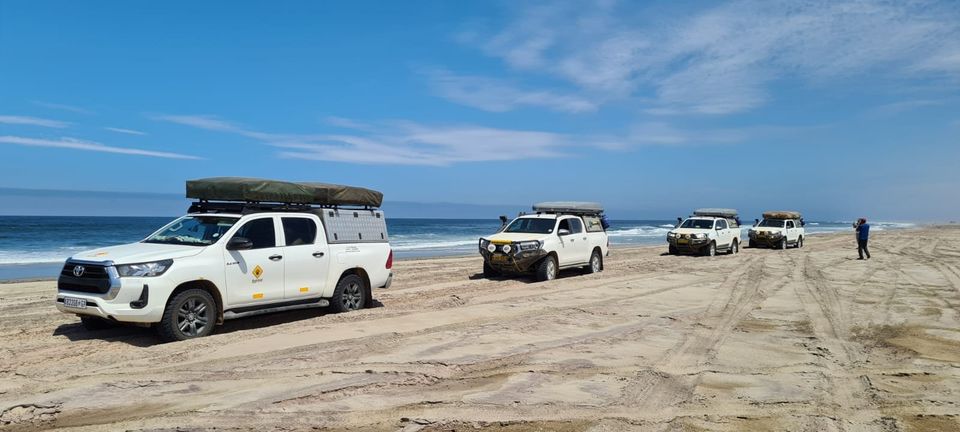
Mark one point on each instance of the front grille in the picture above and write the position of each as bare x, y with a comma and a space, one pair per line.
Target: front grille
90, 271
94, 279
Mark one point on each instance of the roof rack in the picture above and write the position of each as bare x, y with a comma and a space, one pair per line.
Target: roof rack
247, 207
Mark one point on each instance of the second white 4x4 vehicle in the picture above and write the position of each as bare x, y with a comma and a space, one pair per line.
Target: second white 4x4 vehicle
778, 229
706, 232
237, 256
559, 235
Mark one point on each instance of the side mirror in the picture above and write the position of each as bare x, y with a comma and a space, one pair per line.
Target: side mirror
239, 243
563, 232
718, 228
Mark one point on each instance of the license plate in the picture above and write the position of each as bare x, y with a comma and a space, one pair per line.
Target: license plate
499, 258
683, 241
75, 303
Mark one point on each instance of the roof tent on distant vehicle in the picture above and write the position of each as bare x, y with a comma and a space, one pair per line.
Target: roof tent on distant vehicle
716, 212
568, 207
779, 214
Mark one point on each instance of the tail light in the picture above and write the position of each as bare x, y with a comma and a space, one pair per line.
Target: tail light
390, 260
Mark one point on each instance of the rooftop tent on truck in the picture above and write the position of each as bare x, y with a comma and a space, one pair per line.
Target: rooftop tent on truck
259, 190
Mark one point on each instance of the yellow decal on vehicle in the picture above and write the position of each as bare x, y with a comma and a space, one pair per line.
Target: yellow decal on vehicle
304, 289
257, 296
257, 271
501, 242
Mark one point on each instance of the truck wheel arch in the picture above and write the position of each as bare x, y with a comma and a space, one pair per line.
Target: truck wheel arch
599, 251
205, 285
367, 290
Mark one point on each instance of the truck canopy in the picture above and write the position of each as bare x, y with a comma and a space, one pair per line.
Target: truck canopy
569, 207
260, 190
716, 212
780, 214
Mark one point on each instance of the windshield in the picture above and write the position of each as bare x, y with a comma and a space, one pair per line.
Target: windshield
697, 223
772, 223
193, 231
531, 225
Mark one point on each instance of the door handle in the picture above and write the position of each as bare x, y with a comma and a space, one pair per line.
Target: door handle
276, 257
318, 254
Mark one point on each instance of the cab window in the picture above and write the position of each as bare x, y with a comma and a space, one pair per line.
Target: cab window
260, 232
576, 226
721, 224
299, 231
790, 224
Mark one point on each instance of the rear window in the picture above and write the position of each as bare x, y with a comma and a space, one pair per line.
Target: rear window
299, 231
593, 223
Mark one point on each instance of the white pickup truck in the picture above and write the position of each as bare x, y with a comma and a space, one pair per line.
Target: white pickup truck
778, 229
559, 235
706, 232
227, 260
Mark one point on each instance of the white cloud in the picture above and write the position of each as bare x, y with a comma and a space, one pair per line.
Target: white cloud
398, 143
76, 144
32, 121
724, 59
63, 107
125, 131
498, 96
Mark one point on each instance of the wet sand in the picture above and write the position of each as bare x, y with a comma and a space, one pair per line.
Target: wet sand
805, 339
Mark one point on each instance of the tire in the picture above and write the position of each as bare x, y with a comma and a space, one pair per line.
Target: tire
489, 272
188, 315
350, 294
672, 250
92, 323
547, 269
734, 248
800, 242
711, 249
783, 244
596, 263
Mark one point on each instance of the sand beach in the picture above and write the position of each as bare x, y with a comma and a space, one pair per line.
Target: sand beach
804, 339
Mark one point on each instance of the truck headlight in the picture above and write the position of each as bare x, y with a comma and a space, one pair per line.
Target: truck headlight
530, 245
149, 269
671, 234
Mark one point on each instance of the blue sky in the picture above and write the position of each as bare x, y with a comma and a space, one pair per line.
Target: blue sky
839, 109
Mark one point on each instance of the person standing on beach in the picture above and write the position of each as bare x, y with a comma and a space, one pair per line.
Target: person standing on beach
863, 233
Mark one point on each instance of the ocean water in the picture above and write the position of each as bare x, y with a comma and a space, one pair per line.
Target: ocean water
36, 246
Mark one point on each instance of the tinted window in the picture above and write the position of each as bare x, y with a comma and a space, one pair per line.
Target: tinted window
299, 231
721, 224
575, 226
772, 223
260, 232
790, 224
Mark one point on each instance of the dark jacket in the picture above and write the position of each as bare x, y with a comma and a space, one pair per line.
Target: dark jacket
863, 231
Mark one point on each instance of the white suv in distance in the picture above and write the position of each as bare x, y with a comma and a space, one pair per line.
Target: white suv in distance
778, 229
706, 232
559, 235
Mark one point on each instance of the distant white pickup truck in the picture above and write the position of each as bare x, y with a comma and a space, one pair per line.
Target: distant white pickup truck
706, 232
559, 235
778, 229
227, 260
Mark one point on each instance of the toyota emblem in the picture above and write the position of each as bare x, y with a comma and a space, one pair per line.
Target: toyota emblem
78, 270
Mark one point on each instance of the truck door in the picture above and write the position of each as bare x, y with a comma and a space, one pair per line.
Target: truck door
724, 235
305, 257
575, 246
255, 275
791, 232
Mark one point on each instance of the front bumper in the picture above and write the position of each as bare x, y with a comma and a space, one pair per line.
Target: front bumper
765, 240
688, 245
134, 300
517, 262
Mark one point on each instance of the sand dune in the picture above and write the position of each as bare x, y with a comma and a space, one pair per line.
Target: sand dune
805, 340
